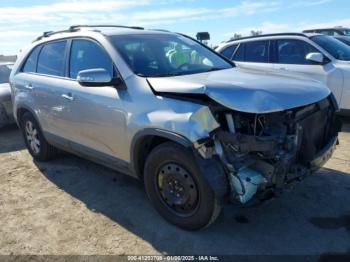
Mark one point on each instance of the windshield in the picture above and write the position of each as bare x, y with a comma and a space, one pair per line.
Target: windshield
5, 71
333, 46
157, 55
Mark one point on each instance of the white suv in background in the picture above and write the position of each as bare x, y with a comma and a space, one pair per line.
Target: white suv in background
321, 57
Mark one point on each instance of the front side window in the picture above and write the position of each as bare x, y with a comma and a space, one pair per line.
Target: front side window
157, 55
228, 51
31, 62
257, 51
5, 71
51, 59
86, 54
292, 51
336, 48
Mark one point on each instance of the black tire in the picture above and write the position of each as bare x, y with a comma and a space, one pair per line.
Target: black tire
203, 211
45, 151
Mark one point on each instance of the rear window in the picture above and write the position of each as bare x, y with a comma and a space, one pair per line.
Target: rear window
31, 62
51, 59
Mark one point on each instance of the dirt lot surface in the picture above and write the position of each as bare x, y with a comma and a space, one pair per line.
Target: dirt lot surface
73, 206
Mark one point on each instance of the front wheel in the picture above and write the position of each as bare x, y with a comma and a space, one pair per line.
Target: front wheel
177, 189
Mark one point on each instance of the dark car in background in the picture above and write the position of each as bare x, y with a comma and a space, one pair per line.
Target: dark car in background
335, 31
5, 94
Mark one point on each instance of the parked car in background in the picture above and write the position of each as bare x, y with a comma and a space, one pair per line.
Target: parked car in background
168, 110
334, 31
317, 56
344, 39
6, 116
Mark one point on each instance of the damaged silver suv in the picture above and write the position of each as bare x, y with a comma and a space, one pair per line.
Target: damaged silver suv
166, 109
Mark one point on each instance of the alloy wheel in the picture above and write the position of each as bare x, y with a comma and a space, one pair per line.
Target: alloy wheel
32, 137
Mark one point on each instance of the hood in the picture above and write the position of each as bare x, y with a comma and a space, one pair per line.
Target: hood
246, 90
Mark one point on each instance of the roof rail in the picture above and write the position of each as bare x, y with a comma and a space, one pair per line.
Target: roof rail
266, 35
75, 28
159, 30
50, 33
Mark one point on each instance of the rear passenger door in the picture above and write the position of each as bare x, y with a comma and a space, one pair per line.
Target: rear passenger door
97, 118
290, 56
42, 75
254, 55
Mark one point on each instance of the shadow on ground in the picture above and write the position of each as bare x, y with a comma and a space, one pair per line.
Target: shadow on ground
346, 124
311, 219
10, 139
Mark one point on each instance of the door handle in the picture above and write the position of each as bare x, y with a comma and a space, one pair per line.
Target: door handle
29, 86
68, 96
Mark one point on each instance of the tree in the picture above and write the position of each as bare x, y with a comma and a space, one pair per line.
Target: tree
235, 36
255, 33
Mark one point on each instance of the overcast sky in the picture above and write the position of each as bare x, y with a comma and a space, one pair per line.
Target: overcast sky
22, 21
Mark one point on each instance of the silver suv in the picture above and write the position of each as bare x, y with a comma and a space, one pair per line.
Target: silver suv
164, 108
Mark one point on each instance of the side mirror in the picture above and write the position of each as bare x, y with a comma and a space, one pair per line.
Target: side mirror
317, 58
97, 77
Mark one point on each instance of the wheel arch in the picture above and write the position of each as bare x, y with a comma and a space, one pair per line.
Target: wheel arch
146, 140
21, 110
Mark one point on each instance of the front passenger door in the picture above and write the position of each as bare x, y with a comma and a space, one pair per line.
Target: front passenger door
290, 56
97, 115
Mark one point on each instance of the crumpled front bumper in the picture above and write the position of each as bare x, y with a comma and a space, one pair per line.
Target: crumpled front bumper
324, 155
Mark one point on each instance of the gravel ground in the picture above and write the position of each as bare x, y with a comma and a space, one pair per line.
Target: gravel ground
73, 206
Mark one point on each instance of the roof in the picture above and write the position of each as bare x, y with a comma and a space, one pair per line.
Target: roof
271, 35
104, 29
338, 29
327, 28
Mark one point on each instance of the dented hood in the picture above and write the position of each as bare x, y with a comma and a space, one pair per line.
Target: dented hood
246, 90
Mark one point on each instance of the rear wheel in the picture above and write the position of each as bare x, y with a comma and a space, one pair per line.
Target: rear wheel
36, 144
177, 188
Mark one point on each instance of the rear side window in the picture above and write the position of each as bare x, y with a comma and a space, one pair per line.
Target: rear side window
30, 64
257, 51
292, 51
86, 54
51, 59
239, 54
228, 51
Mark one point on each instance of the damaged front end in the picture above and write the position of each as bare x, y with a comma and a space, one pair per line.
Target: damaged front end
262, 153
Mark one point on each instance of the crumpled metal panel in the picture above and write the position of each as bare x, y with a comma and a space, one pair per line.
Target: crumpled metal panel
193, 125
245, 90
